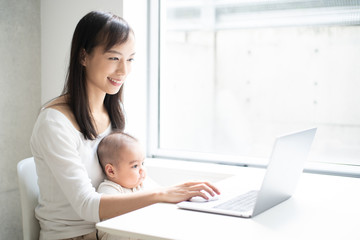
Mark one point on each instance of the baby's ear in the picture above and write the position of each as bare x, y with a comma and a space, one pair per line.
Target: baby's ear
109, 170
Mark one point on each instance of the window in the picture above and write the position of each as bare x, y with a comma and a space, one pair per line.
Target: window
227, 77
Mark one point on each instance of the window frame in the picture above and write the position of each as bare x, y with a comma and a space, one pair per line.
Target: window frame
155, 13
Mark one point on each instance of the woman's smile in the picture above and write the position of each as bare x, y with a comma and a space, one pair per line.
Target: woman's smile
116, 82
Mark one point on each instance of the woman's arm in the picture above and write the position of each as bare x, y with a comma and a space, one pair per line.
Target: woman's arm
115, 205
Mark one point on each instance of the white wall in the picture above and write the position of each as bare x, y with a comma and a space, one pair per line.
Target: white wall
58, 22
135, 13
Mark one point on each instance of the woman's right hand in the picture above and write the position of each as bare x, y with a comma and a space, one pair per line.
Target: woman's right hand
112, 205
186, 191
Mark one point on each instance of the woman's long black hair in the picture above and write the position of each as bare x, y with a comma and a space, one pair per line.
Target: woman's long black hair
95, 28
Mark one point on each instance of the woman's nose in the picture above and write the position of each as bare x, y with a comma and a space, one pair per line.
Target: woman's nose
121, 68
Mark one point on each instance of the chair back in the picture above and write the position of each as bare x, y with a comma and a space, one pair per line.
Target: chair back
29, 192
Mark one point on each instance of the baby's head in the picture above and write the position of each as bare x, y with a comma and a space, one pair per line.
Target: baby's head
121, 158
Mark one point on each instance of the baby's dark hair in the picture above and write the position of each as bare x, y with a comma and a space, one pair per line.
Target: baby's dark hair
109, 146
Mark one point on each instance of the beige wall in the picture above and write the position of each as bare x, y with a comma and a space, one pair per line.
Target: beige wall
19, 101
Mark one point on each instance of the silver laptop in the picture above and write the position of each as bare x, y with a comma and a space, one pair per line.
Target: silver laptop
283, 172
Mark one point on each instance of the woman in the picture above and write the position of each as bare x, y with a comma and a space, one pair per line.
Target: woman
69, 128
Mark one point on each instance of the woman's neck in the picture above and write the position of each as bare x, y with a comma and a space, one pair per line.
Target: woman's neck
99, 112
96, 101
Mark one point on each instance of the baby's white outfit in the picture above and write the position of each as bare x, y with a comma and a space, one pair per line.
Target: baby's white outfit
109, 187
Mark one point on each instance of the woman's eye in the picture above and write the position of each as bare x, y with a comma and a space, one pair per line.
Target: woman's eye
131, 59
114, 58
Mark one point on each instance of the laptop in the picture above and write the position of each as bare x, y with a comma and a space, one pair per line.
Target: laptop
285, 167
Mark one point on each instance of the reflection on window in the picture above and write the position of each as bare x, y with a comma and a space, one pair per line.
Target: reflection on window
236, 74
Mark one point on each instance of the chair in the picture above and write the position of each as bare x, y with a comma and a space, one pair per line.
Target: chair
29, 192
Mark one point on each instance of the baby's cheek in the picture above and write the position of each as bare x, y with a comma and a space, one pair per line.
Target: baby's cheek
142, 173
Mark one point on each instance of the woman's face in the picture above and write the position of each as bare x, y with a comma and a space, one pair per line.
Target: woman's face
106, 71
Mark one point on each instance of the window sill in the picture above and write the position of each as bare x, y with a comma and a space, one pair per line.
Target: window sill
170, 171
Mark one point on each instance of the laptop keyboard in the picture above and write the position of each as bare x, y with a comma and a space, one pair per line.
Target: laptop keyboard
241, 203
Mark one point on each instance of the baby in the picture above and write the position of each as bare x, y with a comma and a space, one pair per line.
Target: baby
122, 160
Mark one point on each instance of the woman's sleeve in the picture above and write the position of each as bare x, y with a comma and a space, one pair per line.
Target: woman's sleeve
57, 144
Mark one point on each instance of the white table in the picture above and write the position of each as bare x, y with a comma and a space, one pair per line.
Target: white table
323, 207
